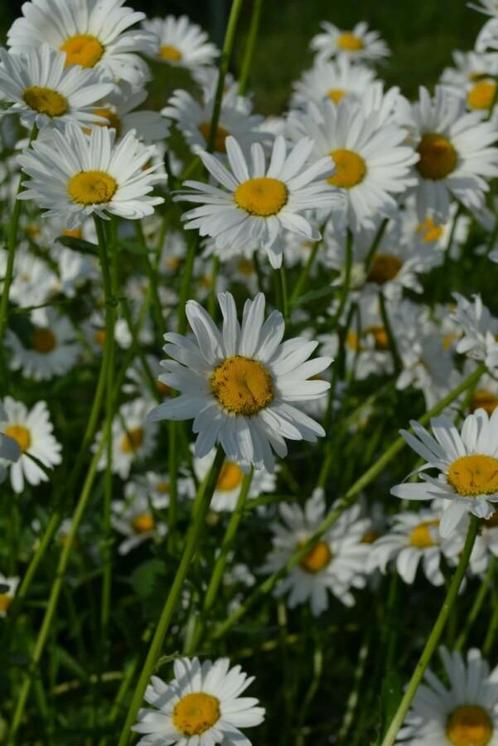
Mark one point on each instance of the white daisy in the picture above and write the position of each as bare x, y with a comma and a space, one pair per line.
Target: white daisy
8, 588
230, 481
336, 563
50, 350
181, 42
372, 161
117, 110
91, 33
75, 175
133, 437
463, 712
455, 154
488, 7
258, 201
473, 76
136, 517
240, 384
33, 278
467, 462
9, 448
358, 44
334, 80
479, 330
32, 431
202, 706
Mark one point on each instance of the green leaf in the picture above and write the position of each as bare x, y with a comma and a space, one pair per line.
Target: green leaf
78, 244
314, 295
390, 696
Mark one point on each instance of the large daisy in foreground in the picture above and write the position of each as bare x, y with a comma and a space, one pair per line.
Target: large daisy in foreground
467, 462
202, 706
258, 201
73, 175
240, 385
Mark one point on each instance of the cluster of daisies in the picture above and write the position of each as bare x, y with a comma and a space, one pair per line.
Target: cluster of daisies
308, 244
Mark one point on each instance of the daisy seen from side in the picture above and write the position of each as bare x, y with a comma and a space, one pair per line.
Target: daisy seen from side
180, 42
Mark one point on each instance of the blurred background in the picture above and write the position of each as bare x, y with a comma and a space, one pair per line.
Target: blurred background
420, 33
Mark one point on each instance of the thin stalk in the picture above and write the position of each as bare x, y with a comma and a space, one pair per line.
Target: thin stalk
283, 289
173, 484
215, 269
220, 564
188, 270
493, 626
197, 525
375, 244
250, 46
304, 274
389, 331
310, 693
336, 319
339, 506
477, 605
435, 635
354, 696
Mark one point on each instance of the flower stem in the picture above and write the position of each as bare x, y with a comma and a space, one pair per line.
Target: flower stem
250, 46
434, 636
197, 524
305, 273
283, 289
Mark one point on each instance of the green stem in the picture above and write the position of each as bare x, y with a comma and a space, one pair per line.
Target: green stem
250, 46
336, 319
435, 635
220, 564
398, 366
493, 625
375, 244
188, 270
197, 525
305, 273
477, 605
283, 289
211, 304
173, 484
340, 506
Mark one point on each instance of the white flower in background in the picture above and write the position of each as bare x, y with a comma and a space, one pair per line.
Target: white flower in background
138, 381
201, 706
414, 540
335, 564
479, 330
33, 433
8, 588
485, 396
33, 278
9, 448
230, 481
51, 348
193, 119
137, 516
133, 437
181, 42
456, 157
488, 7
74, 175
430, 235
44, 92
462, 712
372, 161
358, 44
258, 201
467, 462
332, 80
117, 110
91, 33
473, 76
240, 385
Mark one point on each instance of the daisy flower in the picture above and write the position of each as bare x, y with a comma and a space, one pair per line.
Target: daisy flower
50, 350
488, 7
358, 44
117, 110
91, 33
33, 278
485, 395
474, 76
133, 438
202, 706
9, 448
181, 42
39, 87
258, 201
8, 588
240, 385
372, 161
463, 712
478, 328
335, 564
73, 175
456, 157
334, 80
230, 481
467, 461
32, 431
135, 517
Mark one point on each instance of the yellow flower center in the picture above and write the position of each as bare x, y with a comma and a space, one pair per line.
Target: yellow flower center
384, 268
5, 602
170, 53
481, 95
112, 119
163, 388
246, 267
91, 187
369, 537
429, 230
143, 523
163, 488
45, 100
72, 232
219, 140
380, 337
438, 157
317, 558
32, 230
483, 399
353, 340
350, 42
82, 49
336, 94
469, 725
230, 478
421, 536
99, 337
43, 340
262, 196
132, 440
350, 169
242, 386
474, 475
20, 434
195, 713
